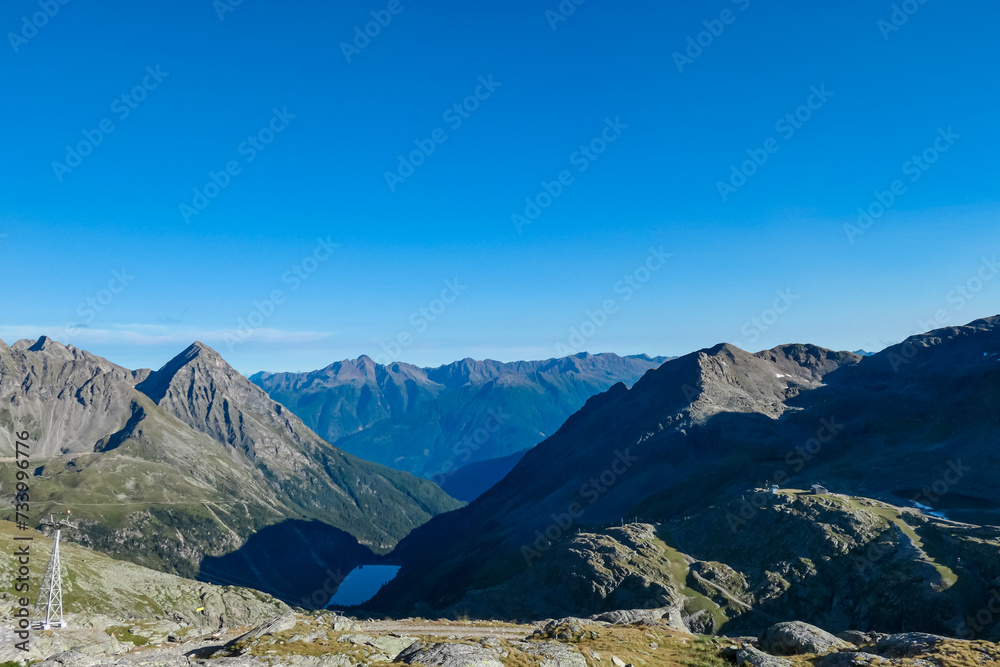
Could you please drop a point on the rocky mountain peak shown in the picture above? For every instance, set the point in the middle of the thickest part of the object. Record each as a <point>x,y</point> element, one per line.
<point>199,350</point>
<point>22,344</point>
<point>196,365</point>
<point>47,345</point>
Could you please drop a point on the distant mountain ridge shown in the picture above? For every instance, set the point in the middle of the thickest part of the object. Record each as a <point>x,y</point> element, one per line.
<point>433,421</point>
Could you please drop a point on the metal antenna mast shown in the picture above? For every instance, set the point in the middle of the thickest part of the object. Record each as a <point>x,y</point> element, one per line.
<point>49,607</point>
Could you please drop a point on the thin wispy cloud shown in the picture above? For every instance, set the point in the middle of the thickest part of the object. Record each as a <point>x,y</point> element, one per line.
<point>153,335</point>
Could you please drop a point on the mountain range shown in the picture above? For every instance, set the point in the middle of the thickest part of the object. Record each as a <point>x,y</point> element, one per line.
<point>175,467</point>
<point>660,496</point>
<point>727,490</point>
<point>432,422</point>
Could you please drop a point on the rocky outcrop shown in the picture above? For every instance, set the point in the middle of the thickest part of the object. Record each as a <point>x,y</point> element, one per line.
<point>907,644</point>
<point>450,655</point>
<point>553,654</point>
<point>588,573</point>
<point>755,658</point>
<point>671,616</point>
<point>796,638</point>
<point>271,627</point>
<point>850,659</point>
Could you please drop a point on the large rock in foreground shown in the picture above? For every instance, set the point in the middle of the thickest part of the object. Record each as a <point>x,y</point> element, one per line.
<point>450,655</point>
<point>797,638</point>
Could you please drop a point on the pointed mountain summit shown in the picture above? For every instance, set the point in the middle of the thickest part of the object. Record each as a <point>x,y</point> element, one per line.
<point>200,389</point>
<point>206,393</point>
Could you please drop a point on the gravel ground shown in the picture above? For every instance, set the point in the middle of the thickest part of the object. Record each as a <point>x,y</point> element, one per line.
<point>466,630</point>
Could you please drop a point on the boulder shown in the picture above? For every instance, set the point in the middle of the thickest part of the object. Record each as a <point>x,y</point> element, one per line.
<point>568,629</point>
<point>554,654</point>
<point>240,661</point>
<point>309,636</point>
<point>859,638</point>
<point>271,627</point>
<point>329,660</point>
<point>906,645</point>
<point>450,655</point>
<point>850,659</point>
<point>343,624</point>
<point>669,615</point>
<point>797,638</point>
<point>751,656</point>
<point>392,646</point>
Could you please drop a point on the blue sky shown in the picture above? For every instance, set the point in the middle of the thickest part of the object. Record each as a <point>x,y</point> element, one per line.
<point>641,137</point>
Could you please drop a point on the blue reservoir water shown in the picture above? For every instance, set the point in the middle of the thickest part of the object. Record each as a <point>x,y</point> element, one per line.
<point>362,583</point>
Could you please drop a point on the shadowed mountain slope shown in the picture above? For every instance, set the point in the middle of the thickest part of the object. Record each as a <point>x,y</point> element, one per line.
<point>696,435</point>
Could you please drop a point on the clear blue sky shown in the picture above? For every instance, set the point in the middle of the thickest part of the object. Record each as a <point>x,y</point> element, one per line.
<point>523,289</point>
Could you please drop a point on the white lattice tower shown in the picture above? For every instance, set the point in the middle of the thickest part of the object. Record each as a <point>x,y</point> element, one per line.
<point>49,606</point>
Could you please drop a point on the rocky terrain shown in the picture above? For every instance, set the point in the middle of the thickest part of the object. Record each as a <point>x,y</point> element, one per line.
<point>434,421</point>
<point>174,468</point>
<point>628,638</point>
